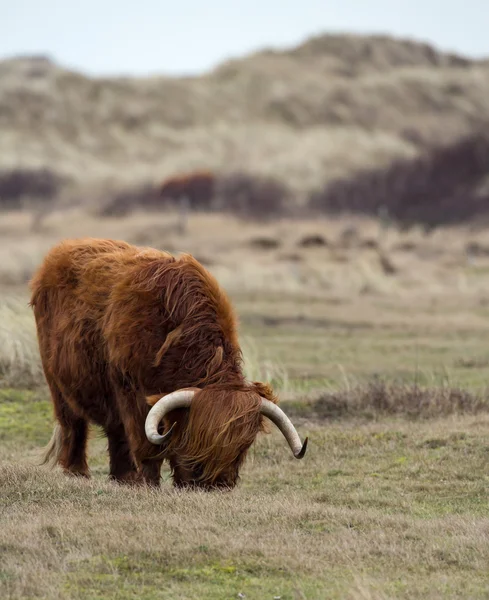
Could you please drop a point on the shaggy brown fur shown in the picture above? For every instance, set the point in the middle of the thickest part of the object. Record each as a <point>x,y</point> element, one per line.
<point>118,327</point>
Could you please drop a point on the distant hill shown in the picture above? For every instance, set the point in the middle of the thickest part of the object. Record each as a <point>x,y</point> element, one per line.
<point>325,109</point>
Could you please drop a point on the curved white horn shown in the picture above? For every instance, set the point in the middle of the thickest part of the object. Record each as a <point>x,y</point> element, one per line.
<point>282,421</point>
<point>178,399</point>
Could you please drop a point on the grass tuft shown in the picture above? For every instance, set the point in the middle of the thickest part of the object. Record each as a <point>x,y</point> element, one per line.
<point>379,399</point>
<point>20,363</point>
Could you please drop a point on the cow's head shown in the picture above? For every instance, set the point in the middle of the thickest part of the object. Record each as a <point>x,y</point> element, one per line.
<point>209,431</point>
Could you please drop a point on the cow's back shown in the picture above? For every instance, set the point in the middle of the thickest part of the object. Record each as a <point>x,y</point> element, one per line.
<point>64,268</point>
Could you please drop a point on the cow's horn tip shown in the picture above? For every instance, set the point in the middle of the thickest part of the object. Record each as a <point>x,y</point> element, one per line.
<point>302,451</point>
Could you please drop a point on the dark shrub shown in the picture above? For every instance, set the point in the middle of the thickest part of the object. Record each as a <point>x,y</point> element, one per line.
<point>440,187</point>
<point>41,185</point>
<point>251,196</point>
<point>193,190</point>
<point>119,203</point>
<point>379,398</point>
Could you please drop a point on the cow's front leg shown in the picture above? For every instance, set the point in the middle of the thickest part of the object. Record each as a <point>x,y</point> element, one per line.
<point>151,471</point>
<point>123,468</point>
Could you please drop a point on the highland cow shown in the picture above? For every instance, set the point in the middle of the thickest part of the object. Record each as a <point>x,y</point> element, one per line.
<point>122,329</point>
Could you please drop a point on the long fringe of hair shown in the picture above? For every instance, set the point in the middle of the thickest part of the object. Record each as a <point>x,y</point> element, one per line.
<point>222,424</point>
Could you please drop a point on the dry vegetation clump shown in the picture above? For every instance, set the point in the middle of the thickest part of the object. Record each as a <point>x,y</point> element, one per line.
<point>445,186</point>
<point>260,367</point>
<point>194,190</point>
<point>252,197</point>
<point>313,240</point>
<point>385,261</point>
<point>379,399</point>
<point>123,201</point>
<point>20,363</point>
<point>245,195</point>
<point>265,243</point>
<point>21,249</point>
<point>476,249</point>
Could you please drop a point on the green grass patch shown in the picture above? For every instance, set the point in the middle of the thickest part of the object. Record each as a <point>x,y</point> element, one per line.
<point>151,576</point>
<point>25,416</point>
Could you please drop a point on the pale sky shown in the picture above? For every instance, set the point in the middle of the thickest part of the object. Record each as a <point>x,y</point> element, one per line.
<point>106,37</point>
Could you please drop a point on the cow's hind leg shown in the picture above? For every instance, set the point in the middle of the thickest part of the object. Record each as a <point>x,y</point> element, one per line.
<point>122,466</point>
<point>69,442</point>
<point>74,458</point>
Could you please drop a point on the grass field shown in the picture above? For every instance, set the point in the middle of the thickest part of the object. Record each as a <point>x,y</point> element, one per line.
<point>384,367</point>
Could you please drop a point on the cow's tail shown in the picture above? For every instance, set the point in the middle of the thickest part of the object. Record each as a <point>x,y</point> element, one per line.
<point>53,449</point>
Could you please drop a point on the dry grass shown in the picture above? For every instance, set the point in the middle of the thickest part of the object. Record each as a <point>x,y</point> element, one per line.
<point>391,510</point>
<point>447,258</point>
<point>379,399</point>
<point>20,364</point>
<point>262,114</point>
<point>311,309</point>
<point>386,373</point>
<point>375,338</point>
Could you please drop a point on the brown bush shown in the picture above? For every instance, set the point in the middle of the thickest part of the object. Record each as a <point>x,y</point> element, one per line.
<point>440,187</point>
<point>197,188</point>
